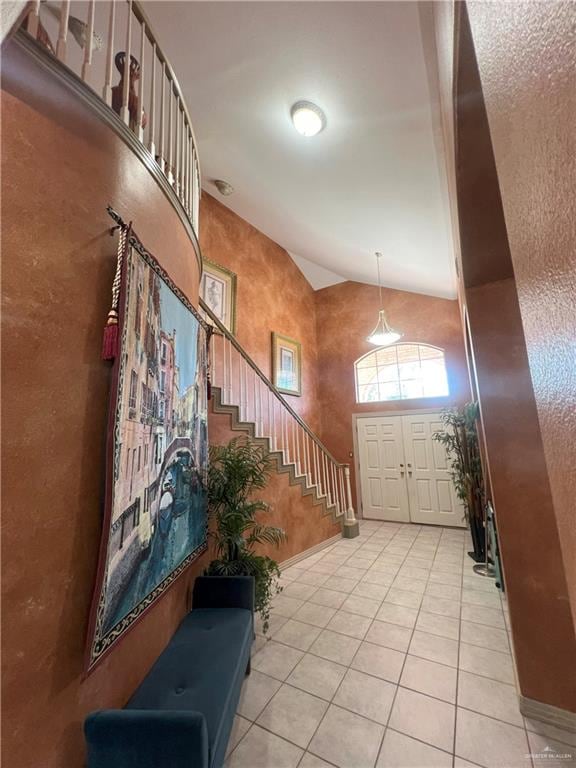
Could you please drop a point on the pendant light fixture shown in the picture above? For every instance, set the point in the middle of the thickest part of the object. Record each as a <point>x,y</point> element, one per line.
<point>382,335</point>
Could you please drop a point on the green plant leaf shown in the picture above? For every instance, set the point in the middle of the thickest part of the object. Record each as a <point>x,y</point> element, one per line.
<point>460,438</point>
<point>235,472</point>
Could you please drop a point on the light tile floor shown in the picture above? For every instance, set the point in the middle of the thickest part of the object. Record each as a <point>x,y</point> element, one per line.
<point>387,651</point>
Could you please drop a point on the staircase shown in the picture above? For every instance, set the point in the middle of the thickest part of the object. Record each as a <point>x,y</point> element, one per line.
<point>256,408</point>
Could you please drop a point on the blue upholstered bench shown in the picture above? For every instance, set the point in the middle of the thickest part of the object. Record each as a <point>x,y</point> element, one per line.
<point>182,713</point>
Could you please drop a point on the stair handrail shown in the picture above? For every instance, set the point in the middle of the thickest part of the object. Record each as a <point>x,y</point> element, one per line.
<point>240,349</point>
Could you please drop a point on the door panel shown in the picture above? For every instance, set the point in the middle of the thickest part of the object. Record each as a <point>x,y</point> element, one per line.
<point>382,478</point>
<point>430,489</point>
<point>375,494</point>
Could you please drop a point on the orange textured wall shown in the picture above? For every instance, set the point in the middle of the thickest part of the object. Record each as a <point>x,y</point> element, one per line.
<point>527,57</point>
<point>533,568</point>
<point>346,313</point>
<point>61,167</point>
<point>526,511</point>
<point>304,522</point>
<point>273,295</point>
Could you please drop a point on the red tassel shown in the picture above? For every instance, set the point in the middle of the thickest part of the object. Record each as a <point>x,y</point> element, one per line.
<point>110,340</point>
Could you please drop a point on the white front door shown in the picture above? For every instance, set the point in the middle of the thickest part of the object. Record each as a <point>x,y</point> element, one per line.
<point>404,474</point>
<point>432,496</point>
<point>382,471</point>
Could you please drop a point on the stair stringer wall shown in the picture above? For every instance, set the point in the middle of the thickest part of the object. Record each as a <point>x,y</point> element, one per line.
<point>305,519</point>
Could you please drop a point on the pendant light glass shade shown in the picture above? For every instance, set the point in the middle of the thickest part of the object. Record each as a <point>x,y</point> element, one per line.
<point>382,335</point>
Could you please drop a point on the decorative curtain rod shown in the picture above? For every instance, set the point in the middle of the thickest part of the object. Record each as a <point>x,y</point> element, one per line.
<point>120,223</point>
<point>136,243</point>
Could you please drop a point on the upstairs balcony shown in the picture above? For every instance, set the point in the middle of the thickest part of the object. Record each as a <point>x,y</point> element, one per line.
<point>108,53</point>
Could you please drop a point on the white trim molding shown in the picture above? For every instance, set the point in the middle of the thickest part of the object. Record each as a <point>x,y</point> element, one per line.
<point>546,713</point>
<point>307,552</point>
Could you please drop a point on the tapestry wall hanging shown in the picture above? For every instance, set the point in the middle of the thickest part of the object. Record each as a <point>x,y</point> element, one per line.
<point>155,520</point>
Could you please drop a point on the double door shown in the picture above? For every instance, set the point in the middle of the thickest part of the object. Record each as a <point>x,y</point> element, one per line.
<point>404,474</point>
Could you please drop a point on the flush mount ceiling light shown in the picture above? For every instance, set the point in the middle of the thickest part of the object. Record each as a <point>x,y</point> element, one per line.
<point>223,187</point>
<point>308,119</point>
<point>382,335</point>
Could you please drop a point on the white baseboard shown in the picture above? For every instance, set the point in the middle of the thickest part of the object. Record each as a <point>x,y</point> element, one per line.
<point>546,713</point>
<point>307,552</point>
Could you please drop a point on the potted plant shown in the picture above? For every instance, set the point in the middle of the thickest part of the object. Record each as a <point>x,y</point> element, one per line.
<point>460,438</point>
<point>235,472</point>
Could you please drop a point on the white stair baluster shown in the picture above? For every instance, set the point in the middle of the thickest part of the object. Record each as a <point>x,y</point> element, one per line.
<point>107,90</point>
<point>162,140</point>
<point>241,390</point>
<point>247,395</point>
<point>260,409</point>
<point>225,370</point>
<point>170,170</point>
<point>33,19</point>
<point>327,479</point>
<point>230,400</point>
<point>87,63</point>
<point>124,109</point>
<point>152,119</point>
<point>298,431</point>
<point>141,80</point>
<point>307,459</point>
<point>255,401</point>
<point>63,30</point>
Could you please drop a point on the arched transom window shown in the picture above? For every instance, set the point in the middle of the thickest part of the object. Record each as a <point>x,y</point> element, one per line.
<point>401,372</point>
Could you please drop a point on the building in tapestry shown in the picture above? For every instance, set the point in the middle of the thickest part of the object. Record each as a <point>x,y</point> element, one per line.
<point>142,438</point>
<point>168,392</point>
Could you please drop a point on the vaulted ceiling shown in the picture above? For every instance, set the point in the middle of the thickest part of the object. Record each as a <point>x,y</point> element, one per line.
<point>372,180</point>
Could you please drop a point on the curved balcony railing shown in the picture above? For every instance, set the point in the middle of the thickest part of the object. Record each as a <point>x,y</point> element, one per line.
<point>96,40</point>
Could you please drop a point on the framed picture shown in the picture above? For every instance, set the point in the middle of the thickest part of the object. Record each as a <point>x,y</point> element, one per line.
<point>155,518</point>
<point>218,291</point>
<point>286,365</point>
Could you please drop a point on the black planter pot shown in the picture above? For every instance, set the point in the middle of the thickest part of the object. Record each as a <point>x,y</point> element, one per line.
<point>478,540</point>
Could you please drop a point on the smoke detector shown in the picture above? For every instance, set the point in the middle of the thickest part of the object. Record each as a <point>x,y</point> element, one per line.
<point>223,187</point>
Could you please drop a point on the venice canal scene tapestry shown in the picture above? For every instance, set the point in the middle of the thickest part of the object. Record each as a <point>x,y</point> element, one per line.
<point>155,522</point>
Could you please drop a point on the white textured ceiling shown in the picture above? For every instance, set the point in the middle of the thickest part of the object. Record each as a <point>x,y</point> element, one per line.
<point>317,276</point>
<point>371,181</point>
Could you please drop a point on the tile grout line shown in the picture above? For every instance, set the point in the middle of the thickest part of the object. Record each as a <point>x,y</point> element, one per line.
<point>372,557</point>
<point>349,667</point>
<point>464,555</point>
<point>341,681</point>
<point>405,656</point>
<point>254,722</point>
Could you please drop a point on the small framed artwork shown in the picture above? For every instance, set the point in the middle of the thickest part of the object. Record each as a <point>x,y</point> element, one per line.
<point>218,291</point>
<point>286,365</point>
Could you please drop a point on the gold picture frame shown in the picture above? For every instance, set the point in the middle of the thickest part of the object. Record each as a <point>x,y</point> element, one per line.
<point>286,365</point>
<point>218,291</point>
